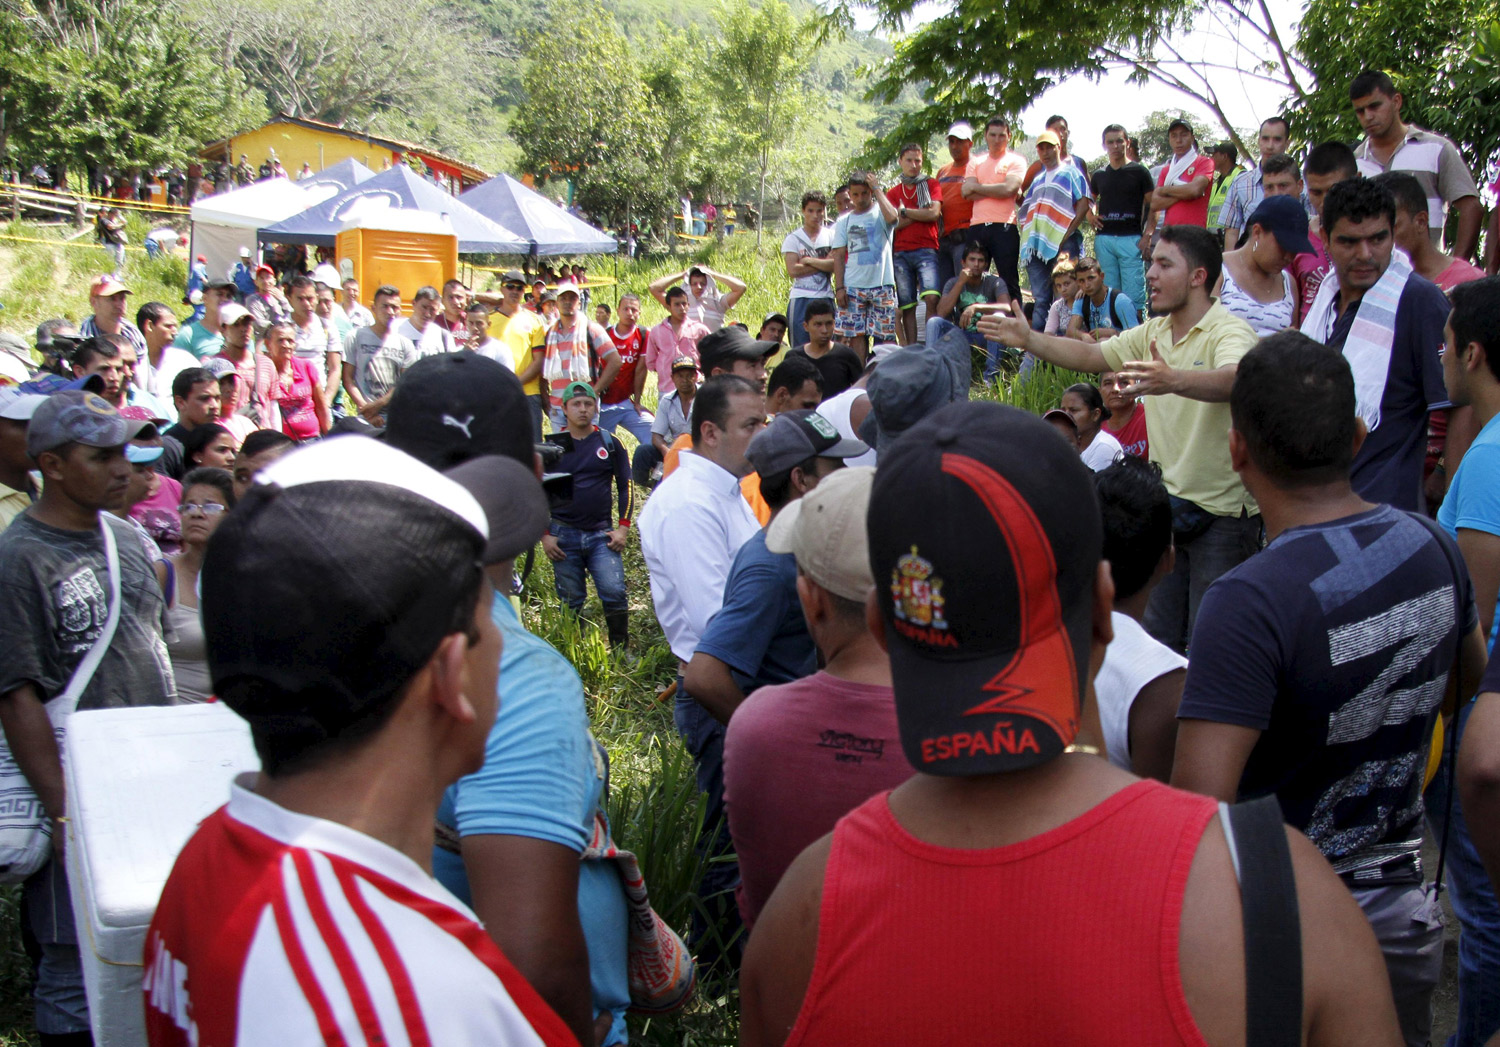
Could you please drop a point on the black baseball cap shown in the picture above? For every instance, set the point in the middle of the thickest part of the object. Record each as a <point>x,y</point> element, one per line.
<point>1179,122</point>
<point>513,276</point>
<point>728,344</point>
<point>455,408</point>
<point>332,582</point>
<point>451,407</point>
<point>985,540</point>
<point>1285,218</point>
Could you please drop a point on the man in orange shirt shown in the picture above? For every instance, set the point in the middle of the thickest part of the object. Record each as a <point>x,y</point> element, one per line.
<point>957,208</point>
<point>992,185</point>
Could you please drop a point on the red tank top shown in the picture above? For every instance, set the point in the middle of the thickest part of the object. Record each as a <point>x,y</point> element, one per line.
<point>1067,938</point>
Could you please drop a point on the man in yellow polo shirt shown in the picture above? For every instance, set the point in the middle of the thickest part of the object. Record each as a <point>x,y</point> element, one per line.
<point>1183,363</point>
<point>525,334</point>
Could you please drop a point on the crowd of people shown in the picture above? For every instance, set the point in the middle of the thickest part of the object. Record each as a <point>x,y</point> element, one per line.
<point>1183,650</point>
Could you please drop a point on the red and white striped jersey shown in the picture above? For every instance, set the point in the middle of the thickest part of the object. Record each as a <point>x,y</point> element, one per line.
<point>282,930</point>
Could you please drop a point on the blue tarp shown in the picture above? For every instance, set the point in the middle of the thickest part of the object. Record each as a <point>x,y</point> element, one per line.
<point>399,187</point>
<point>344,174</point>
<point>534,218</point>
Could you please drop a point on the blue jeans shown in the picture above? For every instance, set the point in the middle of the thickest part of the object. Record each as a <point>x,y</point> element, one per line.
<point>796,315</point>
<point>586,553</point>
<point>1120,259</point>
<point>1039,273</point>
<point>1228,542</point>
<point>704,737</point>
<point>1473,899</point>
<point>1072,247</point>
<point>916,275</point>
<point>624,413</point>
<point>61,1003</point>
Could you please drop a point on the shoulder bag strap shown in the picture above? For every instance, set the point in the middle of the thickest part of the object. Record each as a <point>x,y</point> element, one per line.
<point>1273,926</point>
<point>84,673</point>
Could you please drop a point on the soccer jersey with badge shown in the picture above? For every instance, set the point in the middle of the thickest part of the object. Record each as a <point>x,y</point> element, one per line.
<point>277,928</point>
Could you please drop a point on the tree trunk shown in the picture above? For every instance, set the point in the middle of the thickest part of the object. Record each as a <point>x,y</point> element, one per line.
<point>760,203</point>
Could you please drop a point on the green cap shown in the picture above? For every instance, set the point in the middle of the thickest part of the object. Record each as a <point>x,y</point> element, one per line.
<point>579,389</point>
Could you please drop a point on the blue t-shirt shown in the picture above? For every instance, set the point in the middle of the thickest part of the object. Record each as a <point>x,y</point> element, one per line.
<point>1096,316</point>
<point>1336,642</point>
<point>542,778</point>
<point>868,238</point>
<point>760,632</point>
<point>1473,499</point>
<point>1388,467</point>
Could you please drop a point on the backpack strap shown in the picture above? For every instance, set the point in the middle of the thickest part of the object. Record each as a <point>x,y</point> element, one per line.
<point>1272,923</point>
<point>1114,316</point>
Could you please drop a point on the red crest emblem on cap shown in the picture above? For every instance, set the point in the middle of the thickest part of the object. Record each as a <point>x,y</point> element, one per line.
<point>917,596</point>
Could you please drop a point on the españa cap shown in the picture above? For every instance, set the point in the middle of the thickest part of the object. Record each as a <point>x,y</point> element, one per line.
<point>985,541</point>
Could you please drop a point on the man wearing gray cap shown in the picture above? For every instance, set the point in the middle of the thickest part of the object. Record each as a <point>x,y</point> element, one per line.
<point>800,755</point>
<point>73,576</point>
<point>17,489</point>
<point>914,381</point>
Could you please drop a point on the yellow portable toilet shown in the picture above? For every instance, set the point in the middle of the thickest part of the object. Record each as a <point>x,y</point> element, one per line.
<point>399,246</point>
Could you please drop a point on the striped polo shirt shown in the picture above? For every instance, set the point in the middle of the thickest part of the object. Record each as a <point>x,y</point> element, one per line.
<point>1436,163</point>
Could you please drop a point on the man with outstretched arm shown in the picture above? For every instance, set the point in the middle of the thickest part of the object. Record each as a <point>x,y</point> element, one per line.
<point>1183,362</point>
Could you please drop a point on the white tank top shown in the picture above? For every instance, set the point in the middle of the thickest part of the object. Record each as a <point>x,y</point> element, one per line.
<point>1132,661</point>
<point>1263,317</point>
<point>836,409</point>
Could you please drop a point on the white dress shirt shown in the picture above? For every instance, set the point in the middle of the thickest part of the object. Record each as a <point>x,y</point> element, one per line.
<point>690,530</point>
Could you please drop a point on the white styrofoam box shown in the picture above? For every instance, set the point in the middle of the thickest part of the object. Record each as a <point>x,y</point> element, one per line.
<point>139,783</point>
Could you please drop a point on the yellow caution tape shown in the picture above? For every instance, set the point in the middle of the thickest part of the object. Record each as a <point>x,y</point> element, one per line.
<point>62,243</point>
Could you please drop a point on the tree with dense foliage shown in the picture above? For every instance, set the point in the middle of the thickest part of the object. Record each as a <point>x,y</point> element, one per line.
<point>757,72</point>
<point>588,117</point>
<point>118,83</point>
<point>983,56</point>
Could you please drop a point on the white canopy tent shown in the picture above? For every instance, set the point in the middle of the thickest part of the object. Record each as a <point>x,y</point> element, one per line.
<point>225,223</point>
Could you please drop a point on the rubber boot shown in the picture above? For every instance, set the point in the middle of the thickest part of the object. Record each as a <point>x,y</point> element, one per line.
<point>619,627</point>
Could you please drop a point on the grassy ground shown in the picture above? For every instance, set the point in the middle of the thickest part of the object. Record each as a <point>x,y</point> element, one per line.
<point>654,804</point>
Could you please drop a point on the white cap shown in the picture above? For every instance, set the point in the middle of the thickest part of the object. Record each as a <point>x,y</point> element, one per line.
<point>231,313</point>
<point>16,406</point>
<point>961,129</point>
<point>244,252</point>
<point>567,286</point>
<point>326,275</point>
<point>825,530</point>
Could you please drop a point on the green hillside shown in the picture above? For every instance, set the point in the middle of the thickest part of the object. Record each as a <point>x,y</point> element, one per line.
<point>832,130</point>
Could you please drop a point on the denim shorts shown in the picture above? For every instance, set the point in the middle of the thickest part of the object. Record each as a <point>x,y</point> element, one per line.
<point>916,275</point>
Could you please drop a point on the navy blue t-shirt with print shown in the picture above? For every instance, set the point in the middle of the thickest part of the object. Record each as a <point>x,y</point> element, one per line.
<point>1388,467</point>
<point>760,632</point>
<point>1336,642</point>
